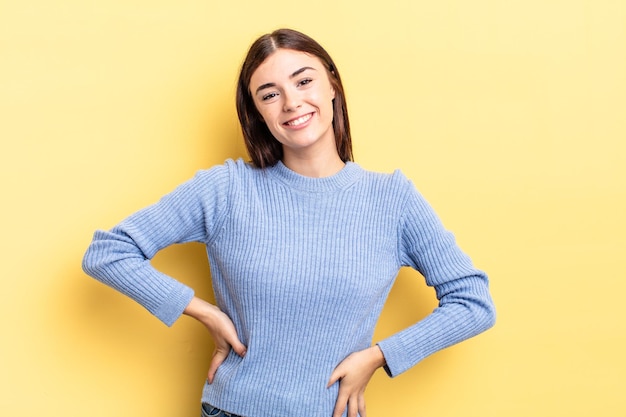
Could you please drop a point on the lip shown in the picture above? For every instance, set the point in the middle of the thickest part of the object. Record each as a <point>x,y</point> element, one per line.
<point>303,119</point>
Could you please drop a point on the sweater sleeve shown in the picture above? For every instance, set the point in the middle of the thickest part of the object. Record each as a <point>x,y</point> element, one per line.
<point>465,305</point>
<point>121,256</point>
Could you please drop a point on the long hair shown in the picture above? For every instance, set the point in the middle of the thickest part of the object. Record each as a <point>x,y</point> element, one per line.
<point>263,148</point>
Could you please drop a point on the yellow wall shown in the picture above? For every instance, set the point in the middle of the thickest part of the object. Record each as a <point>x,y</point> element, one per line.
<point>508,115</point>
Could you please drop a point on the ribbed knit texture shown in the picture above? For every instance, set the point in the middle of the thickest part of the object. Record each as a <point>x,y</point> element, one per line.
<point>303,267</point>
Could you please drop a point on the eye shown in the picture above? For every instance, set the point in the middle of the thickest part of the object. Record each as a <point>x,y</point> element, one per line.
<point>305,82</point>
<point>269,96</point>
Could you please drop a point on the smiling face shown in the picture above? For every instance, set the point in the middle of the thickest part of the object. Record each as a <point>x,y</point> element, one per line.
<point>292,93</point>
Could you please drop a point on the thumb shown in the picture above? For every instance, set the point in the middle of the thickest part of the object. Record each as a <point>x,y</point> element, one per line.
<point>334,377</point>
<point>218,357</point>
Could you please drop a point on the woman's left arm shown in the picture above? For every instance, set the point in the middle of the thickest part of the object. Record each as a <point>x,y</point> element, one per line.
<point>465,304</point>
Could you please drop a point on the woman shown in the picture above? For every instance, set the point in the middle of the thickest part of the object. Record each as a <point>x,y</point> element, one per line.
<point>304,246</point>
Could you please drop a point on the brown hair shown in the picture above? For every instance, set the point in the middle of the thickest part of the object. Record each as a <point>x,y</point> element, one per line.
<point>263,148</point>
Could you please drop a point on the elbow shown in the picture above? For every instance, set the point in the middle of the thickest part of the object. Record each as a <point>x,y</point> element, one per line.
<point>483,307</point>
<point>480,316</point>
<point>484,314</point>
<point>107,254</point>
<point>98,256</point>
<point>88,264</point>
<point>489,317</point>
<point>473,299</point>
<point>91,263</point>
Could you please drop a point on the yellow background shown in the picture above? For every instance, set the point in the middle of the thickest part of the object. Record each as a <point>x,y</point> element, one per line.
<point>508,115</point>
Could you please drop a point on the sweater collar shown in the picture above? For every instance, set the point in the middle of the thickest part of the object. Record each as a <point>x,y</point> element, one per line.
<point>350,173</point>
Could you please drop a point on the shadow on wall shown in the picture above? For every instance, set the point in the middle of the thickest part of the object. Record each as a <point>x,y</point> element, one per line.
<point>104,342</point>
<point>409,301</point>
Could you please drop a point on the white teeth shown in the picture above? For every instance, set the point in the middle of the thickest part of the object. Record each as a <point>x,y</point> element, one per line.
<point>300,120</point>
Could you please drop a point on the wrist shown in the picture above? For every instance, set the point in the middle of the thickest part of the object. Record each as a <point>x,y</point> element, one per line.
<point>200,310</point>
<point>377,356</point>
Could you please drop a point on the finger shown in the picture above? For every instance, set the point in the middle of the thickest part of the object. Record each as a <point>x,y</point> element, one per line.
<point>362,411</point>
<point>353,407</point>
<point>339,409</point>
<point>217,360</point>
<point>239,348</point>
<point>340,406</point>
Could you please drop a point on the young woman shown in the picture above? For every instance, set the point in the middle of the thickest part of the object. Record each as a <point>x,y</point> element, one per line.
<point>304,246</point>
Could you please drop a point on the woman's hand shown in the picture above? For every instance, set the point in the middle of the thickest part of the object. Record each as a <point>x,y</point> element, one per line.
<point>353,374</point>
<point>222,331</point>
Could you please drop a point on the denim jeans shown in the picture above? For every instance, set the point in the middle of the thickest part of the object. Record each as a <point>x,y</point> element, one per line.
<point>209,411</point>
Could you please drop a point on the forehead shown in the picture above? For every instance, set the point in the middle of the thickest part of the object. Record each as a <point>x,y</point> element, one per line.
<point>282,64</point>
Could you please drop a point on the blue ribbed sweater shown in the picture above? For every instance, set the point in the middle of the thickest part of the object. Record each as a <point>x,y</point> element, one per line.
<point>303,267</point>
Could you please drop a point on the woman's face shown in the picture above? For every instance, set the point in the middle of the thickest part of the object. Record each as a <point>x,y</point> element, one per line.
<point>293,94</point>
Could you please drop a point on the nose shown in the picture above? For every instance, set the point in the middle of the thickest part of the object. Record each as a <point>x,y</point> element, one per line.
<point>292,101</point>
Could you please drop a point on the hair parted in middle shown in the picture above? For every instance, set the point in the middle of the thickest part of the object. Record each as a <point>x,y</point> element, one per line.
<point>263,148</point>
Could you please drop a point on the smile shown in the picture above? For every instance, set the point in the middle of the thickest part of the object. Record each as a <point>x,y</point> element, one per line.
<point>300,120</point>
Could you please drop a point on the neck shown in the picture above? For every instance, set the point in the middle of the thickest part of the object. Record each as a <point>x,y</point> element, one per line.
<point>317,166</point>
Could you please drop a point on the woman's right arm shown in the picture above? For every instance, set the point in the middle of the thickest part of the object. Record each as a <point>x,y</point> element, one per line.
<point>120,257</point>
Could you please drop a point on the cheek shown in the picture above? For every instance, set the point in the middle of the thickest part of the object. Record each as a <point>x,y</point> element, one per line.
<point>329,100</point>
<point>269,117</point>
<point>271,120</point>
<point>265,114</point>
<point>269,113</point>
<point>329,95</point>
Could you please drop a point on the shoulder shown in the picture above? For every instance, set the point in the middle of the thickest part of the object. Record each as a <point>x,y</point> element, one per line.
<point>399,191</point>
<point>394,182</point>
<point>227,172</point>
<point>229,167</point>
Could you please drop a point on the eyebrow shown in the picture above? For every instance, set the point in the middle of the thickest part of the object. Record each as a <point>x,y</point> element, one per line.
<point>295,74</point>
